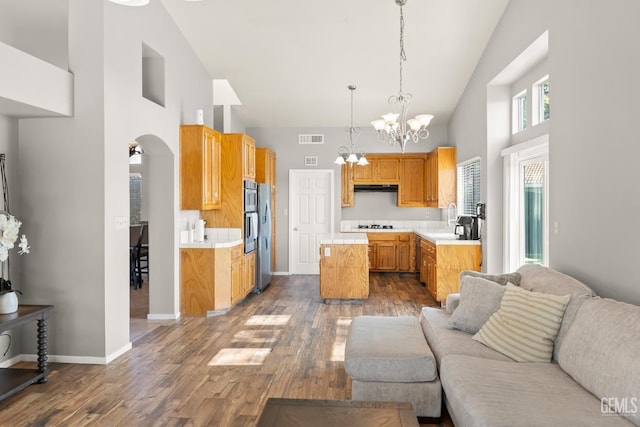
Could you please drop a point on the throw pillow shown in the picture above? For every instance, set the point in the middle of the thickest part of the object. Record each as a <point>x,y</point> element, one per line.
<point>525,326</point>
<point>479,299</point>
<point>503,279</point>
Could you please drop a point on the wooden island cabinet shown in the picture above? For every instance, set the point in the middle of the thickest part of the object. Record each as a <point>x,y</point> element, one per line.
<point>344,269</point>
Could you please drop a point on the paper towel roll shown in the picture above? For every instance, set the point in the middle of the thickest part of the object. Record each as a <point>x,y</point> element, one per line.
<point>199,235</point>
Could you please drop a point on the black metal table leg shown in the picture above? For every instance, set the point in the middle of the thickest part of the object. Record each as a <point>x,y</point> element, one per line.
<point>42,349</point>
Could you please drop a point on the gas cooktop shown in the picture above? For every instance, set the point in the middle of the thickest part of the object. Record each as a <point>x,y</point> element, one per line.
<point>376,226</point>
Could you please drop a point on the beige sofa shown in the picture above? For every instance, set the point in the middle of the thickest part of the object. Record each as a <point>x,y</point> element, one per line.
<point>593,378</point>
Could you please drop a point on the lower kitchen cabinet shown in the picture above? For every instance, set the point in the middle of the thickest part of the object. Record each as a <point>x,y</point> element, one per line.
<point>249,276</point>
<point>440,266</point>
<point>344,271</point>
<point>210,279</point>
<point>392,252</point>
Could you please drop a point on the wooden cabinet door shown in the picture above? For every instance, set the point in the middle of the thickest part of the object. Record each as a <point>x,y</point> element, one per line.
<point>346,175</point>
<point>386,256</point>
<point>364,174</point>
<point>249,158</point>
<point>431,193</point>
<point>249,279</point>
<point>411,191</point>
<point>199,168</point>
<point>237,277</point>
<point>387,170</point>
<point>404,256</point>
<point>423,261</point>
<point>212,147</point>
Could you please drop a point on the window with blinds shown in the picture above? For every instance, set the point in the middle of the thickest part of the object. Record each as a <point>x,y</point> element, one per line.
<point>468,186</point>
<point>135,198</point>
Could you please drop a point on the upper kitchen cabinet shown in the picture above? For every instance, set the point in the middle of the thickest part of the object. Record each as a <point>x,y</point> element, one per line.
<point>266,173</point>
<point>346,174</point>
<point>249,148</point>
<point>411,191</point>
<point>382,169</point>
<point>199,168</point>
<point>441,177</point>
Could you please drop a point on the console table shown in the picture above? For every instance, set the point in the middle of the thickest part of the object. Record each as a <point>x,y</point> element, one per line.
<point>337,413</point>
<point>13,380</point>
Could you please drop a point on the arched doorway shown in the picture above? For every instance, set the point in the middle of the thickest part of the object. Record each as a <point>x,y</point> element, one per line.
<point>158,210</point>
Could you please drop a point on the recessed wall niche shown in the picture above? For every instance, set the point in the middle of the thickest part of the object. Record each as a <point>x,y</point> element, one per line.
<point>152,75</point>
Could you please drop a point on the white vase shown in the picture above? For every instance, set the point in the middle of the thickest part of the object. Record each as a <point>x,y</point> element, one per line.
<point>8,303</point>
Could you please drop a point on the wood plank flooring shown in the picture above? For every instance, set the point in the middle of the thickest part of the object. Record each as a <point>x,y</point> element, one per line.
<point>217,371</point>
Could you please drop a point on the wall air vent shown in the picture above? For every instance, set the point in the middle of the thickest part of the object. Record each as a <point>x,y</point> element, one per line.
<point>306,139</point>
<point>311,160</point>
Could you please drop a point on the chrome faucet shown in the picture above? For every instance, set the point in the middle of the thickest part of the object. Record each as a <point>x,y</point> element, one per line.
<point>449,219</point>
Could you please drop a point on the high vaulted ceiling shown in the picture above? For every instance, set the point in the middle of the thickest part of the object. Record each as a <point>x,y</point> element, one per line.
<point>290,61</point>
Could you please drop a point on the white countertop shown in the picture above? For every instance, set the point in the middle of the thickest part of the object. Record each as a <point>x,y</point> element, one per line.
<point>211,244</point>
<point>435,236</point>
<point>351,238</point>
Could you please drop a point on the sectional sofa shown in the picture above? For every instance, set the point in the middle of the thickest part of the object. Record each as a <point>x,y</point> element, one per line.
<point>591,379</point>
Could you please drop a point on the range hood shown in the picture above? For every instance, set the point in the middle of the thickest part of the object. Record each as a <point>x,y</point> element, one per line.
<point>382,188</point>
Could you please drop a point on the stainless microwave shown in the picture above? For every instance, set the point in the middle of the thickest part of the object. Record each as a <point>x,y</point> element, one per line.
<point>250,196</point>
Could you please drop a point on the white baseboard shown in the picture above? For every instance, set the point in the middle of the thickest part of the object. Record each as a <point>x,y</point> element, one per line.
<point>10,362</point>
<point>79,360</point>
<point>113,356</point>
<point>173,316</point>
<point>281,273</point>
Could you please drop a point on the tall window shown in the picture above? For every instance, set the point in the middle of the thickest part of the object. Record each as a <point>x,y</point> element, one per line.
<point>135,198</point>
<point>468,186</point>
<point>520,112</point>
<point>527,203</point>
<point>542,99</point>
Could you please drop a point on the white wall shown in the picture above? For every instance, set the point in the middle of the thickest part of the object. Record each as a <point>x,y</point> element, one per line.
<point>592,133</point>
<point>75,174</point>
<point>290,155</point>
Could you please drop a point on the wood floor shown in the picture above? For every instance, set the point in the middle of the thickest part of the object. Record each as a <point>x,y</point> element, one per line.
<point>217,371</point>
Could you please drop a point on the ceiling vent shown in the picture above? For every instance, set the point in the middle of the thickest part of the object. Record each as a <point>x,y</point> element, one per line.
<point>307,139</point>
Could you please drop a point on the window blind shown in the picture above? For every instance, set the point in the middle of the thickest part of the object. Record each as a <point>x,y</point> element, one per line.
<point>469,181</point>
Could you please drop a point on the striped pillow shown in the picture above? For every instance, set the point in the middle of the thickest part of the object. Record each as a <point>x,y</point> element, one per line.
<point>525,326</point>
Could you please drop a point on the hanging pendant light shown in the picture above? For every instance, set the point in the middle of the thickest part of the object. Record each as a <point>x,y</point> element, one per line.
<point>348,154</point>
<point>395,128</point>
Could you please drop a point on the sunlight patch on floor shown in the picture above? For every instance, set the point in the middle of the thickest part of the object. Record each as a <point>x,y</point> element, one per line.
<point>342,329</point>
<point>240,356</point>
<point>257,336</point>
<point>268,320</point>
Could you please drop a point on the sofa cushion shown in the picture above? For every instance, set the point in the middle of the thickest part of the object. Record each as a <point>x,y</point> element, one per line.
<point>484,392</point>
<point>535,277</point>
<point>445,340</point>
<point>601,351</point>
<point>501,279</point>
<point>391,349</point>
<point>479,299</point>
<point>525,326</point>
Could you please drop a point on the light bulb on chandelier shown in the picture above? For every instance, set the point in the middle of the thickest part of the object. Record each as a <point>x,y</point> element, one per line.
<point>389,128</point>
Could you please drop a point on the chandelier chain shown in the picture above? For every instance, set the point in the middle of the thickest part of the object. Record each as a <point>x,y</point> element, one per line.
<point>403,55</point>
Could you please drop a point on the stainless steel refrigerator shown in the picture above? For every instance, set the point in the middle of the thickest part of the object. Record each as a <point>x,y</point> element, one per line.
<point>263,256</point>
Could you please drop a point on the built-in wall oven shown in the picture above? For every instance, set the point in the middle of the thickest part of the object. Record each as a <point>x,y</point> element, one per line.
<point>250,216</point>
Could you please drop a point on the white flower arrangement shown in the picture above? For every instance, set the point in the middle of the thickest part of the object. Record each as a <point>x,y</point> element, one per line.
<point>9,232</point>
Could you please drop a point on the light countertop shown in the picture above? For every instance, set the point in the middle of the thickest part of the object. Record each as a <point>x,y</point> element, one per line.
<point>211,244</point>
<point>355,238</point>
<point>435,236</point>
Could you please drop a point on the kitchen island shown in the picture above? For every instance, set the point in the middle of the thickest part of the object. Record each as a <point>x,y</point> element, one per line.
<point>344,266</point>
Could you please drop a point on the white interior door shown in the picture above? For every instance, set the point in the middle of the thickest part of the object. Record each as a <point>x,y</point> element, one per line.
<point>310,215</point>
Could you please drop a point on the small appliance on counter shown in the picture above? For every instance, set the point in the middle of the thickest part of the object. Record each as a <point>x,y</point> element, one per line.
<point>467,227</point>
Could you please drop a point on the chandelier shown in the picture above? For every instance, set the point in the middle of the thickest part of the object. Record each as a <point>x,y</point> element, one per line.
<point>348,154</point>
<point>389,128</point>
<point>134,148</point>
